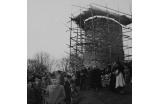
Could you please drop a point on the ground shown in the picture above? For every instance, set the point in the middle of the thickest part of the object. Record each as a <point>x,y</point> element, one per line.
<point>105,96</point>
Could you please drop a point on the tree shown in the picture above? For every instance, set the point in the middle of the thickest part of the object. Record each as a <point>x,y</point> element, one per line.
<point>33,66</point>
<point>75,61</point>
<point>63,63</point>
<point>45,59</point>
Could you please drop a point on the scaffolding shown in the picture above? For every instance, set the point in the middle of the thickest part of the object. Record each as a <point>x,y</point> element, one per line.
<point>80,40</point>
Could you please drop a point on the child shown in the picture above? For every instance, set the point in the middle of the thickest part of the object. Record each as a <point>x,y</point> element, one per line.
<point>74,92</point>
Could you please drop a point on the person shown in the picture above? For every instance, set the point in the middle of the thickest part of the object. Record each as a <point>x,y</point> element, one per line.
<point>83,76</point>
<point>55,92</point>
<point>30,94</point>
<point>67,90</point>
<point>48,81</point>
<point>92,78</point>
<point>99,74</point>
<point>37,88</point>
<point>109,68</point>
<point>127,76</point>
<point>78,78</point>
<point>89,77</point>
<point>120,83</point>
<point>74,93</point>
<point>113,77</point>
<point>61,78</point>
<point>43,88</point>
<point>96,78</point>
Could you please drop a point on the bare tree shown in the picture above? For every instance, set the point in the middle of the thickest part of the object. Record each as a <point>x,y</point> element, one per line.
<point>34,66</point>
<point>63,63</point>
<point>45,59</point>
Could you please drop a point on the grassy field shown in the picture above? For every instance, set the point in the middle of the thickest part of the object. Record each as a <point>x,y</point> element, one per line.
<point>105,96</point>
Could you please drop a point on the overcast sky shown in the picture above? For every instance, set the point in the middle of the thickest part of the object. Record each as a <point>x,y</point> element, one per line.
<point>45,18</point>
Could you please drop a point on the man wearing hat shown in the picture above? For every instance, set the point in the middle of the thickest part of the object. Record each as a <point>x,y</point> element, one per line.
<point>37,89</point>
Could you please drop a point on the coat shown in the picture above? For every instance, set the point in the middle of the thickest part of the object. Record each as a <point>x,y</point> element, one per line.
<point>30,96</point>
<point>55,94</point>
<point>67,91</point>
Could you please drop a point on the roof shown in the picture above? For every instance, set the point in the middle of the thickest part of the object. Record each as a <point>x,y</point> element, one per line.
<point>123,19</point>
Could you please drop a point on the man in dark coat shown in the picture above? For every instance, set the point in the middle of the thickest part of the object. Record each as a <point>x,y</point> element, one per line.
<point>43,86</point>
<point>78,78</point>
<point>96,78</point>
<point>61,78</point>
<point>89,77</point>
<point>83,77</point>
<point>92,77</point>
<point>30,94</point>
<point>99,73</point>
<point>37,88</point>
<point>67,89</point>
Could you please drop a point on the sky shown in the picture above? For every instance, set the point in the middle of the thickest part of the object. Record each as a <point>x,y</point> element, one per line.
<point>46,31</point>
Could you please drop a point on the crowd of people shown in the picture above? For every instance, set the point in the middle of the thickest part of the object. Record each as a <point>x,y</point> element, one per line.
<point>115,76</point>
<point>51,88</point>
<point>61,86</point>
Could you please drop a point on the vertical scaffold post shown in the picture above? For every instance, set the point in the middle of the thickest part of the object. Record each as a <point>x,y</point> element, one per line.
<point>77,50</point>
<point>81,43</point>
<point>108,32</point>
<point>93,35</point>
<point>119,56</point>
<point>131,31</point>
<point>70,40</point>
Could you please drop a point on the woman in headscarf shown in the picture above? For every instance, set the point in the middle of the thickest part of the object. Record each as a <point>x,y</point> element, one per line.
<point>120,83</point>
